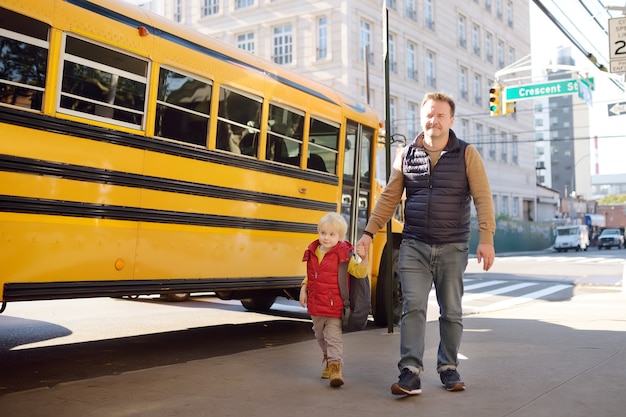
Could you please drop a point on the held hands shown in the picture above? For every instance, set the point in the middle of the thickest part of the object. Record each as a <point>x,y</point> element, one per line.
<point>363,246</point>
<point>486,254</point>
<point>361,251</point>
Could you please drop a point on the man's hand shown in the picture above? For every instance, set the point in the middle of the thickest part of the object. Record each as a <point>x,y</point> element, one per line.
<point>486,254</point>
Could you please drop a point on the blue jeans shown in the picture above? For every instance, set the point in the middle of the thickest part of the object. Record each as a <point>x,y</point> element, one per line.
<point>420,265</point>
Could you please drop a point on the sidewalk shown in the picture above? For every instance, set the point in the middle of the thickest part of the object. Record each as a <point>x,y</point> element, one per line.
<point>561,359</point>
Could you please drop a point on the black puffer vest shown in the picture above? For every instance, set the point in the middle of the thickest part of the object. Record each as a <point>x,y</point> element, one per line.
<point>438,198</point>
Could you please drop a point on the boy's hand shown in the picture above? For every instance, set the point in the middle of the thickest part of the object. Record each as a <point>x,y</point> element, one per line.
<point>303,295</point>
<point>360,250</point>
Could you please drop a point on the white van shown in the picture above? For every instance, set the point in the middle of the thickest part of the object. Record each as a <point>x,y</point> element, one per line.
<point>572,237</point>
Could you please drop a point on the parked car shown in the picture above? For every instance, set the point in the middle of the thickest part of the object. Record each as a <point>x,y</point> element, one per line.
<point>611,237</point>
<point>571,237</point>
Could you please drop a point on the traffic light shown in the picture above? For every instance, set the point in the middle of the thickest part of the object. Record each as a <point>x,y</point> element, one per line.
<point>495,97</point>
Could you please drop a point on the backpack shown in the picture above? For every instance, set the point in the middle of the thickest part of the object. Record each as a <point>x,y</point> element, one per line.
<point>357,301</point>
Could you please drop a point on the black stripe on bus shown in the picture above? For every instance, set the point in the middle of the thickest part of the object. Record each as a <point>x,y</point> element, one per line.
<point>193,46</point>
<point>28,291</point>
<point>71,128</point>
<point>25,205</point>
<point>124,179</point>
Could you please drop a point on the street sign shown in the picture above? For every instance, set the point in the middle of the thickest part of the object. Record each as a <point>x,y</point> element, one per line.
<point>554,88</point>
<point>617,44</point>
<point>617,109</point>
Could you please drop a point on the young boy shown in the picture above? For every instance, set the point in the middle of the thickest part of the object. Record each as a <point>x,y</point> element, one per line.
<point>320,289</point>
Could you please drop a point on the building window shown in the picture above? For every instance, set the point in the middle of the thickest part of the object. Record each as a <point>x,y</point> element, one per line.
<point>429,18</point>
<point>511,56</point>
<point>178,11</point>
<point>430,70</point>
<point>461,32</point>
<point>478,90</point>
<point>500,54</point>
<point>464,129</point>
<point>209,7</point>
<point>478,133</point>
<point>505,205</point>
<point>463,84</point>
<point>504,147</point>
<point>411,61</point>
<point>489,47</point>
<point>393,64</point>
<point>492,146</point>
<point>322,37</point>
<point>411,12</point>
<point>365,42</point>
<point>515,208</point>
<point>393,120</point>
<point>499,9</point>
<point>245,41</point>
<point>476,40</point>
<point>283,45</point>
<point>514,150</point>
<point>240,4</point>
<point>509,13</point>
<point>391,4</point>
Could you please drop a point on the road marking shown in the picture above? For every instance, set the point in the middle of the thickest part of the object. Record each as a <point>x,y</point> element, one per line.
<point>498,291</point>
<point>522,299</point>
<point>482,285</point>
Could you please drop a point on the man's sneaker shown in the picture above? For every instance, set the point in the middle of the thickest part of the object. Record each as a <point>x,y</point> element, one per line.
<point>451,379</point>
<point>408,384</point>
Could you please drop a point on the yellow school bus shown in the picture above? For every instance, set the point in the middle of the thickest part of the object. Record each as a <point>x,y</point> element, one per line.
<point>138,156</point>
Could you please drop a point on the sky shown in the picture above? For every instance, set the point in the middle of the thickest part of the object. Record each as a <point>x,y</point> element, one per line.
<point>610,155</point>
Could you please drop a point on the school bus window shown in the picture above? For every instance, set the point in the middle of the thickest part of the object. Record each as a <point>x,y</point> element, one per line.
<point>323,146</point>
<point>107,85</point>
<point>366,153</point>
<point>284,135</point>
<point>183,105</point>
<point>239,118</point>
<point>23,60</point>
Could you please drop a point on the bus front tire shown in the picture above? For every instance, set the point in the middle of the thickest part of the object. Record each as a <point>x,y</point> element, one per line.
<point>382,291</point>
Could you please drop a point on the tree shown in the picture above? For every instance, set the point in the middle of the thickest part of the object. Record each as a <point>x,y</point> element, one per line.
<point>613,199</point>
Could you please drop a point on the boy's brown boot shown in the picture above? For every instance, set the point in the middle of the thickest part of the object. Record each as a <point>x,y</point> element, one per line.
<point>336,379</point>
<point>326,370</point>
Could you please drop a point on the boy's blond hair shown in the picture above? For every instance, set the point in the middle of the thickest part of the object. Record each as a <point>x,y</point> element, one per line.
<point>336,221</point>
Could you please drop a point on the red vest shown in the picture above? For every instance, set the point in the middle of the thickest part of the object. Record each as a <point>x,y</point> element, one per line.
<point>324,297</point>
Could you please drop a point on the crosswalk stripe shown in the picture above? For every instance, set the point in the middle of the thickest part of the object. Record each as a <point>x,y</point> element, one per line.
<point>482,285</point>
<point>498,291</point>
<point>523,299</point>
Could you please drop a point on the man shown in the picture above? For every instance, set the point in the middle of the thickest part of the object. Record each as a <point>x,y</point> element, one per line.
<point>440,174</point>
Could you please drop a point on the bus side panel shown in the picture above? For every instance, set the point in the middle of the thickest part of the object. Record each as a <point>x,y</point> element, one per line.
<point>41,248</point>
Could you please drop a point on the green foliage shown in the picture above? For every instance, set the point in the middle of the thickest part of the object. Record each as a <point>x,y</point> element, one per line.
<point>613,199</point>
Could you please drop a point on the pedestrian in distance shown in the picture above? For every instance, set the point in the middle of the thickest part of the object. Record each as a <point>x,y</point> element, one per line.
<point>440,175</point>
<point>320,291</point>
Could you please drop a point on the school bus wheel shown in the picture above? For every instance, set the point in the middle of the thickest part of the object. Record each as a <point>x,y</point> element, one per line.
<point>258,304</point>
<point>382,291</point>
